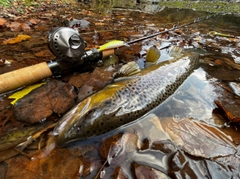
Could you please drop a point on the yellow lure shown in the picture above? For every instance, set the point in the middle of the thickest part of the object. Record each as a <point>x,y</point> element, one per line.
<point>112,44</point>
<point>214,33</point>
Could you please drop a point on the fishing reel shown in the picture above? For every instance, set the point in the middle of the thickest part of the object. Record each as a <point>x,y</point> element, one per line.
<point>66,44</point>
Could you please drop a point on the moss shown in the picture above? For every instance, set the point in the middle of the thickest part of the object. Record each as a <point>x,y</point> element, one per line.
<point>5,3</point>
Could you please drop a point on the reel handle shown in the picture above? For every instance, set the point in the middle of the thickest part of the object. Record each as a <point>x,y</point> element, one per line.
<point>24,76</point>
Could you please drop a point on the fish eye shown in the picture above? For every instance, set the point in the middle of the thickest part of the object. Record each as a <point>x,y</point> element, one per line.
<point>90,111</point>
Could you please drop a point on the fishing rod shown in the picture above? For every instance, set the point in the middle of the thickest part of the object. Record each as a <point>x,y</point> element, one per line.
<point>118,43</point>
<point>197,20</point>
<point>69,48</point>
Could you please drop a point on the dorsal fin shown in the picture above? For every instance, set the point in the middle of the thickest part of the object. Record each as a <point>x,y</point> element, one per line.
<point>129,69</point>
<point>176,51</point>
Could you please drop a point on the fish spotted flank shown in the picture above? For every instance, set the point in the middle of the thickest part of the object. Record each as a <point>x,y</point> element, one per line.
<point>125,100</point>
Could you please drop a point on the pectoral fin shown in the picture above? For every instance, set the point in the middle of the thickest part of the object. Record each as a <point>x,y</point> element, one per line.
<point>153,54</point>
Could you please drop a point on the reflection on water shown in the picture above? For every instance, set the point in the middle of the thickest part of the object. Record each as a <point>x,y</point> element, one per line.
<point>164,145</point>
<point>170,141</point>
<point>195,98</point>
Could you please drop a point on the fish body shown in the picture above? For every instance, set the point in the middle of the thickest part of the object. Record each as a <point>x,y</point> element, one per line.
<point>125,100</point>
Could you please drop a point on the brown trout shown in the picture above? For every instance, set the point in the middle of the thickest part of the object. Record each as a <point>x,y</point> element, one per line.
<point>125,100</point>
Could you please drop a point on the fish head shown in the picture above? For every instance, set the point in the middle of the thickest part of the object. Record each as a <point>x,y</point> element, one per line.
<point>85,120</point>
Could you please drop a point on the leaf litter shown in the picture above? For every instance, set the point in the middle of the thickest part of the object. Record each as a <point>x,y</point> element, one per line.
<point>161,147</point>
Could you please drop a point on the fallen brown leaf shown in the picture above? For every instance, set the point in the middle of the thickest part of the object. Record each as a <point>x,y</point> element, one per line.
<point>34,21</point>
<point>54,97</point>
<point>43,53</point>
<point>97,81</point>
<point>2,21</point>
<point>14,26</point>
<point>25,27</point>
<point>79,80</point>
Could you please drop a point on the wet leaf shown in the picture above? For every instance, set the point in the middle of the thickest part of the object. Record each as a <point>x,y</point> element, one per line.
<point>143,172</point>
<point>43,53</point>
<point>56,97</point>
<point>119,174</point>
<point>67,165</point>
<point>99,23</point>
<point>100,78</point>
<point>20,94</point>
<point>79,80</point>
<point>2,21</point>
<point>229,101</point>
<point>200,139</point>
<point>34,21</point>
<point>25,27</point>
<point>14,26</point>
<point>107,145</point>
<point>17,39</point>
<point>14,142</point>
<point>7,119</point>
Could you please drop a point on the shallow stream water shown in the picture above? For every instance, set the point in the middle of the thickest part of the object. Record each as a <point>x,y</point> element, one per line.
<point>188,135</point>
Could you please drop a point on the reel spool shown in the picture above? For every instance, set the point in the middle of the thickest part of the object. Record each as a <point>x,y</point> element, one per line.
<point>66,43</point>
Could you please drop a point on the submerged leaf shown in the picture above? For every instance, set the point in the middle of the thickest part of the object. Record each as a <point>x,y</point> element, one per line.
<point>13,138</point>
<point>20,94</point>
<point>56,97</point>
<point>199,139</point>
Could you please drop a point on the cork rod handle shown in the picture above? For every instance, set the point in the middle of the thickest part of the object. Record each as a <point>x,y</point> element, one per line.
<point>25,76</point>
<point>108,52</point>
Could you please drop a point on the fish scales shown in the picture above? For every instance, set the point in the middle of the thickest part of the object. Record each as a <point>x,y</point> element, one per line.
<point>125,100</point>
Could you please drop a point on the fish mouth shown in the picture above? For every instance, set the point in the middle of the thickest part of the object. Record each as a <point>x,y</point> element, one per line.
<point>64,130</point>
<point>64,122</point>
